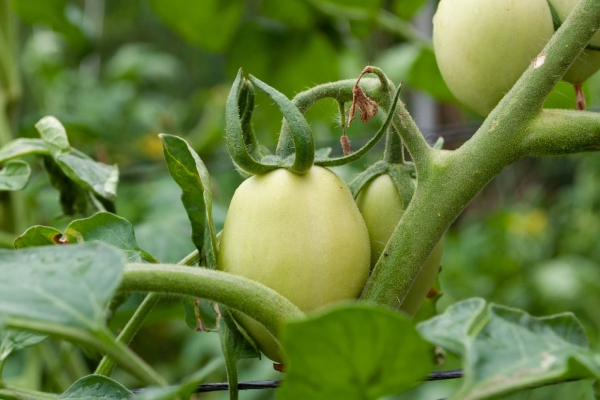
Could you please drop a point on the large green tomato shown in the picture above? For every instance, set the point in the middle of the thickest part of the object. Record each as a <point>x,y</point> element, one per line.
<point>381,206</point>
<point>588,61</point>
<point>301,235</point>
<point>482,47</point>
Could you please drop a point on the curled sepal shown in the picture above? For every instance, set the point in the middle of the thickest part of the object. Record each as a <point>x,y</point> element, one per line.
<point>332,162</point>
<point>439,143</point>
<point>246,108</point>
<point>235,135</point>
<point>303,140</point>
<point>379,168</point>
<point>403,176</point>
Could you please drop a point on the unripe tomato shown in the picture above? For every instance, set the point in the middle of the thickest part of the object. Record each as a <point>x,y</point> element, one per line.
<point>588,61</point>
<point>381,206</point>
<point>482,47</point>
<point>301,235</point>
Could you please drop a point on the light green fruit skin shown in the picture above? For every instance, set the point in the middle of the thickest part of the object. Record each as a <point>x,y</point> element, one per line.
<point>588,61</point>
<point>482,47</point>
<point>381,207</point>
<point>301,235</point>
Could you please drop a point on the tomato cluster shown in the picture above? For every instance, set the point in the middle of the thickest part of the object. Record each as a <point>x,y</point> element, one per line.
<point>483,46</point>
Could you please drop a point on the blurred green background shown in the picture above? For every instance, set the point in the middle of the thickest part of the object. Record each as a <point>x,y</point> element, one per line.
<point>119,72</point>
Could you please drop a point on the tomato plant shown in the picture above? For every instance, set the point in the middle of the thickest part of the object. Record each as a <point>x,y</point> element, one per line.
<point>294,273</point>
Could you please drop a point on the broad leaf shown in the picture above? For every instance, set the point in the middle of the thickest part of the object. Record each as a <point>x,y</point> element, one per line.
<point>67,285</point>
<point>506,350</point>
<point>96,387</point>
<point>14,175</point>
<point>98,178</point>
<point>210,25</point>
<point>111,229</point>
<point>580,390</point>
<point>22,147</point>
<point>12,340</point>
<point>352,352</point>
<point>38,236</point>
<point>190,173</point>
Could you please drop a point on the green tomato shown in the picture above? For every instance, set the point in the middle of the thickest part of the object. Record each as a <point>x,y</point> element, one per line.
<point>588,61</point>
<point>381,206</point>
<point>301,235</point>
<point>482,47</point>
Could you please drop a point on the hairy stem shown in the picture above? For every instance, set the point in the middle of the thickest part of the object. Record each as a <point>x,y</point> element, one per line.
<point>250,297</point>
<point>451,179</point>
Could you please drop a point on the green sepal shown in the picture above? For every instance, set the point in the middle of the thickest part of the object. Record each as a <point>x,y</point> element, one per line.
<point>379,168</point>
<point>333,162</point>
<point>403,176</point>
<point>234,134</point>
<point>246,109</point>
<point>304,145</point>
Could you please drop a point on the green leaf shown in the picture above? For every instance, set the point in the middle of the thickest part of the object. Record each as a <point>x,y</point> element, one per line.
<point>190,173</point>
<point>406,9</point>
<point>22,147</point>
<point>98,178</point>
<point>365,8</point>
<point>352,352</point>
<point>580,390</point>
<point>296,13</point>
<point>67,285</point>
<point>14,175</point>
<point>111,229</point>
<point>73,199</point>
<point>426,75</point>
<point>12,340</point>
<point>236,344</point>
<point>201,314</point>
<point>51,13</point>
<point>450,330</point>
<point>38,236</point>
<point>210,25</point>
<point>96,387</point>
<point>506,350</point>
<point>185,389</point>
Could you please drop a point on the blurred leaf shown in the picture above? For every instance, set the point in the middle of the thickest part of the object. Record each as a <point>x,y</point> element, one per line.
<point>190,173</point>
<point>38,236</point>
<point>96,387</point>
<point>110,229</point>
<point>185,389</point>
<point>296,13</point>
<point>12,340</point>
<point>580,390</point>
<point>201,314</point>
<point>426,75</point>
<point>96,177</point>
<point>22,147</point>
<point>358,8</point>
<point>67,285</point>
<point>53,14</point>
<point>352,352</point>
<point>398,61</point>
<point>141,62</point>
<point>406,9</point>
<point>285,60</point>
<point>14,175</point>
<point>210,25</point>
<point>508,350</point>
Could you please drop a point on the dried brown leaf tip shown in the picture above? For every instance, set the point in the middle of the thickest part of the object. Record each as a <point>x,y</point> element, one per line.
<point>279,367</point>
<point>579,97</point>
<point>368,108</point>
<point>345,144</point>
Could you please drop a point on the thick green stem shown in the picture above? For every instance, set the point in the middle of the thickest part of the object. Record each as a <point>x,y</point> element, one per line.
<point>107,364</point>
<point>450,180</point>
<point>250,297</point>
<point>101,341</point>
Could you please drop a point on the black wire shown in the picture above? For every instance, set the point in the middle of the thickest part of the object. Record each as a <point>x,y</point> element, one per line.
<point>213,387</point>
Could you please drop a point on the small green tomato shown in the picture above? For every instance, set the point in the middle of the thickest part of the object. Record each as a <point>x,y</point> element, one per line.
<point>301,235</point>
<point>588,61</point>
<point>482,47</point>
<point>381,207</point>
